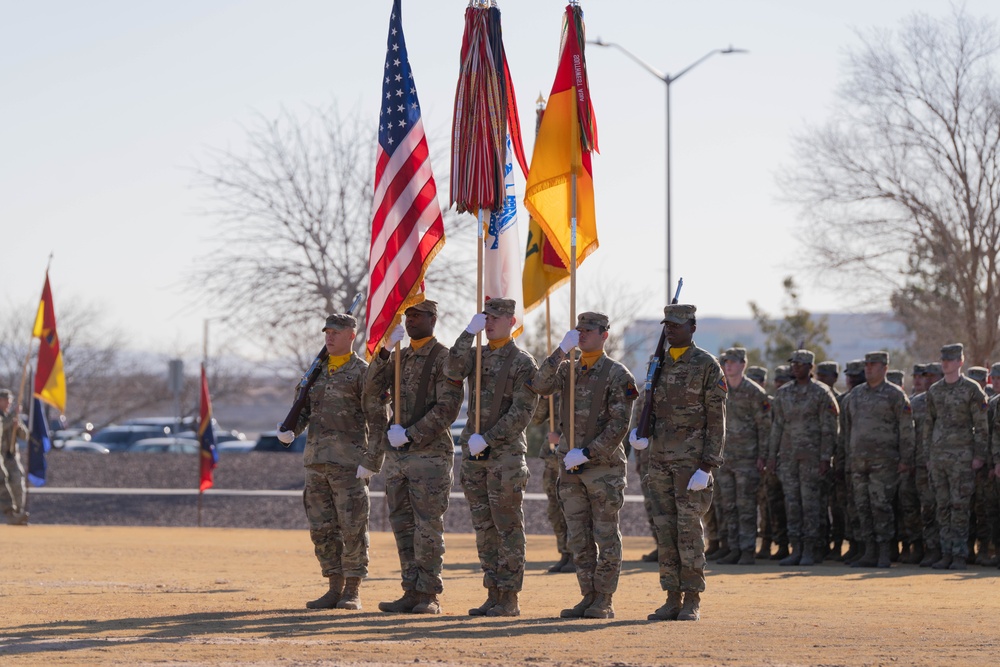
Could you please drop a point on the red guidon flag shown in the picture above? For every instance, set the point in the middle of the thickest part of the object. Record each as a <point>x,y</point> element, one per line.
<point>50,379</point>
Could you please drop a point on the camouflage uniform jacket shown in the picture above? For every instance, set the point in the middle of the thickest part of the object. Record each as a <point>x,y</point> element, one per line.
<point>614,407</point>
<point>809,414</point>
<point>432,432</point>
<point>505,434</point>
<point>339,420</point>
<point>689,410</point>
<point>993,418</point>
<point>955,425</point>
<point>918,404</point>
<point>10,427</point>
<point>840,448</point>
<point>878,423</point>
<point>748,422</point>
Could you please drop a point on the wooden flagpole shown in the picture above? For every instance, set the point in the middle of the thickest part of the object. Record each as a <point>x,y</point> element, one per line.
<point>548,351</point>
<point>572,311</point>
<point>479,308</point>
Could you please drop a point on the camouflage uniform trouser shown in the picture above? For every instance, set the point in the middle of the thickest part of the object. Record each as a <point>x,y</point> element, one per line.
<point>680,533</point>
<point>909,528</point>
<point>647,504</point>
<point>842,525</point>
<point>13,491</point>
<point>987,529</point>
<point>954,483</point>
<point>800,481</point>
<point>928,509</point>
<point>337,508</point>
<point>592,501</point>
<point>738,484</point>
<point>550,484</point>
<point>874,483</point>
<point>771,501</point>
<point>495,491</point>
<point>417,488</point>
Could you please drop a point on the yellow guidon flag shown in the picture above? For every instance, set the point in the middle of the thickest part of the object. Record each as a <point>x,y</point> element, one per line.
<point>50,379</point>
<point>566,136</point>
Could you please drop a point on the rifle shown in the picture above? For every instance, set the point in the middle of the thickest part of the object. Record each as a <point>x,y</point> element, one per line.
<point>645,427</point>
<point>309,379</point>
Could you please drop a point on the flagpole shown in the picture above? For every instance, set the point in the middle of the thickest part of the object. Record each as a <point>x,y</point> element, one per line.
<point>31,416</point>
<point>572,314</point>
<point>204,366</point>
<point>395,398</point>
<point>479,308</point>
<point>548,351</point>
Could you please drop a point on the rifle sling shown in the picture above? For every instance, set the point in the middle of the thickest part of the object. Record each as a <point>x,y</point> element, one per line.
<point>498,392</point>
<point>597,386</point>
<point>419,405</point>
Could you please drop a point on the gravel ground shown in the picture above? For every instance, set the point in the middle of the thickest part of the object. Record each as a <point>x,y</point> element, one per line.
<point>253,470</point>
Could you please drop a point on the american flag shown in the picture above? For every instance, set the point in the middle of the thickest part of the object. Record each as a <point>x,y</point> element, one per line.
<point>407,228</point>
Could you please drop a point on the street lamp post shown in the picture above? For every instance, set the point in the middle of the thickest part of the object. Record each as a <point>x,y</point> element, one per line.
<point>667,79</point>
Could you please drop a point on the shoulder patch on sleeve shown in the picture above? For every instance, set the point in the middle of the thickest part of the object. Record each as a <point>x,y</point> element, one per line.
<point>631,391</point>
<point>723,385</point>
<point>453,383</point>
<point>766,405</point>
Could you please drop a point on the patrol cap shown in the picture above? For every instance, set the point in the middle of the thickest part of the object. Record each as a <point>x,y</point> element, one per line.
<point>678,313</point>
<point>877,358</point>
<point>827,368</point>
<point>802,357</point>
<point>854,367</point>
<point>978,373</point>
<point>933,368</point>
<point>919,369</point>
<point>341,321</point>
<point>425,306</point>
<point>734,354</point>
<point>7,393</point>
<point>592,321</point>
<point>757,373</point>
<point>995,370</point>
<point>783,373</point>
<point>499,307</point>
<point>895,377</point>
<point>952,352</point>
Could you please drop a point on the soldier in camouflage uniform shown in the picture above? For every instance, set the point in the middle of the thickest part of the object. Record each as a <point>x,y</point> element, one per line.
<point>955,433</point>
<point>494,473</point>
<point>550,480</point>
<point>807,413</point>
<point>832,528</point>
<point>748,422</point>
<point>930,530</point>
<point>686,443</point>
<point>987,530</point>
<point>771,496</point>
<point>13,491</point>
<point>419,455</point>
<point>592,486</point>
<point>878,425</point>
<point>854,375</point>
<point>340,420</point>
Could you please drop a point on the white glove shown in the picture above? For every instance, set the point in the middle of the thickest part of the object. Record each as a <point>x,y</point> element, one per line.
<point>397,436</point>
<point>477,444</point>
<point>636,441</point>
<point>364,473</point>
<point>396,335</point>
<point>285,437</point>
<point>569,341</point>
<point>476,324</point>
<point>574,457</point>
<point>699,480</point>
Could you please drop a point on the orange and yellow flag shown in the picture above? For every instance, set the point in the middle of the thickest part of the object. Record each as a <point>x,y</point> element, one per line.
<point>50,379</point>
<point>567,135</point>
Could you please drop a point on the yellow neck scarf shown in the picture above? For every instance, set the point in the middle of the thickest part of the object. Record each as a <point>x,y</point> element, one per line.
<point>333,363</point>
<point>499,342</point>
<point>417,343</point>
<point>588,359</point>
<point>676,352</point>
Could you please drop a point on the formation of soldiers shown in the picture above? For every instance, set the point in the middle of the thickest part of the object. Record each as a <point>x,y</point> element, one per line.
<point>896,478</point>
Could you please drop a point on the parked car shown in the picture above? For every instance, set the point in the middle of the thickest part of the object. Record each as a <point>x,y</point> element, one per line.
<point>166,445</point>
<point>65,435</point>
<point>117,438</point>
<point>268,442</point>
<point>220,435</point>
<point>235,446</point>
<point>168,423</point>
<point>84,446</point>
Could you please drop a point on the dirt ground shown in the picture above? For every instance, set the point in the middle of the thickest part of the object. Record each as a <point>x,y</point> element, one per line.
<point>76,595</point>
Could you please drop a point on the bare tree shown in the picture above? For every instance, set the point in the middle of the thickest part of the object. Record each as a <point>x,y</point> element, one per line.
<point>295,213</point>
<point>794,331</point>
<point>901,187</point>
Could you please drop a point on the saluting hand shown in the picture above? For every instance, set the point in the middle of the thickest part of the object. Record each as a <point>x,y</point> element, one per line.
<point>476,324</point>
<point>569,341</point>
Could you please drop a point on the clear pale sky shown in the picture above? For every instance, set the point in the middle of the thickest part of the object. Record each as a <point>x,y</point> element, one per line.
<point>107,105</point>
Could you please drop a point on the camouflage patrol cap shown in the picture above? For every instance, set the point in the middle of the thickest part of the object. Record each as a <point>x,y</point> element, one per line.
<point>341,321</point>
<point>734,354</point>
<point>499,307</point>
<point>678,313</point>
<point>802,357</point>
<point>919,369</point>
<point>425,306</point>
<point>877,358</point>
<point>933,368</point>
<point>854,368</point>
<point>757,373</point>
<point>978,373</point>
<point>952,352</point>
<point>827,368</point>
<point>895,377</point>
<point>592,321</point>
<point>783,373</point>
<point>7,393</point>
<point>995,370</point>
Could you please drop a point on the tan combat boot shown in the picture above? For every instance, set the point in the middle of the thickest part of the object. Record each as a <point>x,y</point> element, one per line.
<point>765,549</point>
<point>731,558</point>
<point>564,560</point>
<point>669,610</point>
<point>492,598</point>
<point>17,518</point>
<point>746,558</point>
<point>329,599</point>
<point>794,556</point>
<point>429,604</point>
<point>581,606</point>
<point>351,598</point>
<point>931,556</point>
<point>808,555</point>
<point>403,605</point>
<point>942,563</point>
<point>601,607</point>
<point>506,605</point>
<point>957,563</point>
<point>884,555</point>
<point>652,557</point>
<point>870,557</point>
<point>691,609</point>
